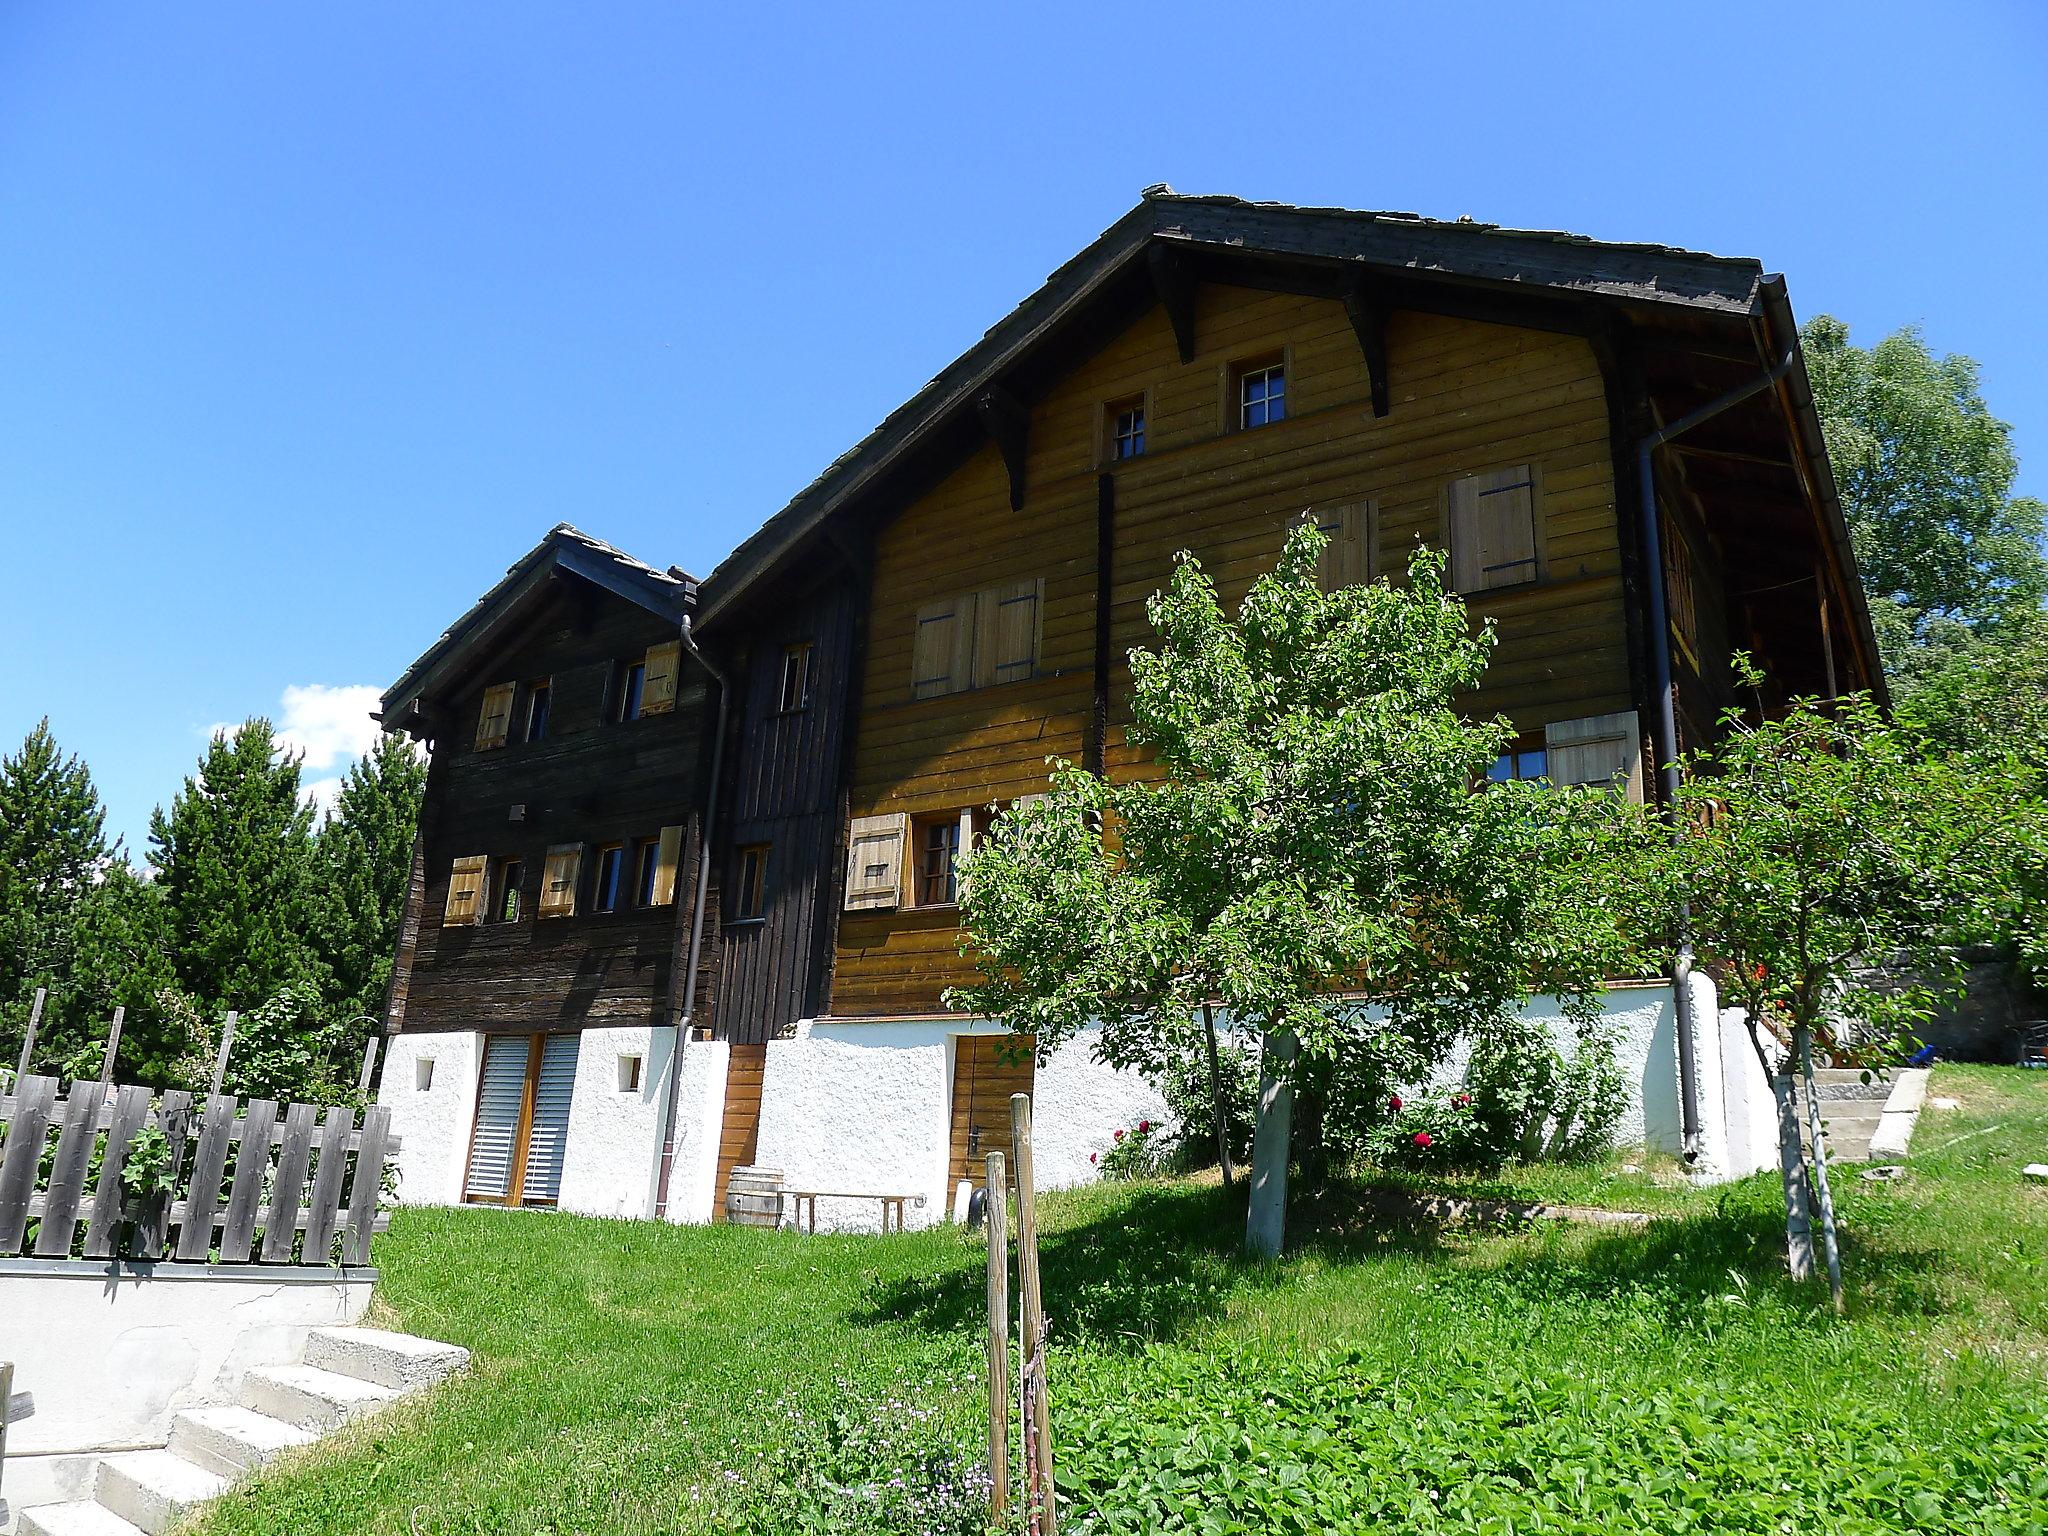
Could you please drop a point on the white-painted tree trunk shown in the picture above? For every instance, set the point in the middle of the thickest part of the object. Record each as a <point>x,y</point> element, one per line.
<point>1791,1165</point>
<point>1802,1048</point>
<point>1265,1222</point>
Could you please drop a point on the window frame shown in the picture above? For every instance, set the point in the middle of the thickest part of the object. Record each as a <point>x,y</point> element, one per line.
<point>646,871</point>
<point>615,855</point>
<point>632,690</point>
<point>1241,371</point>
<point>541,692</point>
<point>750,883</point>
<point>1108,424</point>
<point>508,874</point>
<point>798,654</point>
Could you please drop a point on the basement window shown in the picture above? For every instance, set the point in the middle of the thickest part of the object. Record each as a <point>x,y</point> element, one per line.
<point>423,1074</point>
<point>629,1074</point>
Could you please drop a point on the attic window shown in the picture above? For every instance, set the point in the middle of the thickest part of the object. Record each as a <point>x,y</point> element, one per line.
<point>538,695</point>
<point>795,692</point>
<point>1261,392</point>
<point>632,684</point>
<point>1126,422</point>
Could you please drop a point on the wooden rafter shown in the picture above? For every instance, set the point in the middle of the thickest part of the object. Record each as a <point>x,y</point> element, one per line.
<point>1173,280</point>
<point>1007,420</point>
<point>1368,316</point>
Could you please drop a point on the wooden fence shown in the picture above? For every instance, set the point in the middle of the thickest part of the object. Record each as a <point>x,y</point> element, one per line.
<point>246,1183</point>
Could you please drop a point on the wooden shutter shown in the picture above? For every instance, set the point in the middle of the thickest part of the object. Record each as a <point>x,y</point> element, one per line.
<point>658,685</point>
<point>1600,749</point>
<point>466,891</point>
<point>1493,529</point>
<point>494,723</point>
<point>547,1136</point>
<point>1347,559</point>
<point>666,859</point>
<point>1007,624</point>
<point>942,653</point>
<point>874,862</point>
<point>558,881</point>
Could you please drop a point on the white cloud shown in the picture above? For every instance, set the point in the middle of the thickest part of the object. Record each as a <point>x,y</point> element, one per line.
<point>321,795</point>
<point>331,725</point>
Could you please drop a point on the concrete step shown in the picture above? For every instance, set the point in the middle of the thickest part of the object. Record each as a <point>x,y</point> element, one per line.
<point>233,1441</point>
<point>399,1361</point>
<point>311,1398</point>
<point>85,1517</point>
<point>151,1489</point>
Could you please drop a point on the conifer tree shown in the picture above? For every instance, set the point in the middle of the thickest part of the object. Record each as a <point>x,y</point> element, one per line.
<point>365,868</point>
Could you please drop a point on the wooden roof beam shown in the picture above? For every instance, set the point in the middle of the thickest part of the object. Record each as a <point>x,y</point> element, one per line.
<point>1173,280</point>
<point>1368,316</point>
<point>1007,421</point>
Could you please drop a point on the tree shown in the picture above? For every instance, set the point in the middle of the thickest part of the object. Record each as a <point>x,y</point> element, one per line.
<point>234,860</point>
<point>365,870</point>
<point>1810,850</point>
<point>1948,554</point>
<point>1315,860</point>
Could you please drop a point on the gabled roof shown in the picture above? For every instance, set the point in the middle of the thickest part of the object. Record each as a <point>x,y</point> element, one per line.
<point>1344,247</point>
<point>669,594</point>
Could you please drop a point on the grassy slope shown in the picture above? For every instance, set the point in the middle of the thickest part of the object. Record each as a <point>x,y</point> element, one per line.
<point>634,1378</point>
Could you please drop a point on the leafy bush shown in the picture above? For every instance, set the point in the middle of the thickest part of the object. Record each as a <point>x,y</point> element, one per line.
<point>1144,1151</point>
<point>1185,1083</point>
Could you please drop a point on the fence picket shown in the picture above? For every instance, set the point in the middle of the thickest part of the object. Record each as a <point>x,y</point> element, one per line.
<point>67,1174</point>
<point>174,1114</point>
<point>209,1163</point>
<point>368,1183</point>
<point>27,1129</point>
<point>103,1231</point>
<point>325,1207</point>
<point>238,1231</point>
<point>281,1223</point>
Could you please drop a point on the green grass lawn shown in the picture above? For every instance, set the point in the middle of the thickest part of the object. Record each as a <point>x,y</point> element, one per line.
<point>642,1379</point>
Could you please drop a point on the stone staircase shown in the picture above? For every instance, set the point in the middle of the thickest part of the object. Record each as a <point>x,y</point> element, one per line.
<point>1855,1114</point>
<point>344,1374</point>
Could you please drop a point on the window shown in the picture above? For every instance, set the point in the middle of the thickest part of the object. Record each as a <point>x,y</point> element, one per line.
<point>1261,393</point>
<point>1524,762</point>
<point>937,848</point>
<point>647,873</point>
<point>978,639</point>
<point>537,696</point>
<point>510,872</point>
<point>632,684</point>
<point>494,720</point>
<point>750,888</point>
<point>1126,422</point>
<point>611,870</point>
<point>629,1074</point>
<point>423,1074</point>
<point>1492,530</point>
<point>796,677</point>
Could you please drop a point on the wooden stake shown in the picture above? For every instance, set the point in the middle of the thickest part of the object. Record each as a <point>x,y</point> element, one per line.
<point>113,1045</point>
<point>998,1210</point>
<point>28,1043</point>
<point>369,1067</point>
<point>1216,1095</point>
<point>1038,1425</point>
<point>227,1043</point>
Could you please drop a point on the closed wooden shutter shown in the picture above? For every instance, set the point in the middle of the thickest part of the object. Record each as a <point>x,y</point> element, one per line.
<point>500,1108</point>
<point>1493,529</point>
<point>874,862</point>
<point>942,653</point>
<point>1600,749</point>
<point>1007,623</point>
<point>465,891</point>
<point>547,1138</point>
<point>494,721</point>
<point>559,878</point>
<point>667,857</point>
<point>658,689</point>
<point>1347,559</point>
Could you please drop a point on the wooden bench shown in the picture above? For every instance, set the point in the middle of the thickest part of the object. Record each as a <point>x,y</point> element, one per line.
<point>892,1206</point>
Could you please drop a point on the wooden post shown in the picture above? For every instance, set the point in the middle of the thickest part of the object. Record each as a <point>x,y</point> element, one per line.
<point>113,1045</point>
<point>998,1213</point>
<point>28,1041</point>
<point>369,1067</point>
<point>1216,1094</point>
<point>1037,1426</point>
<point>220,1059</point>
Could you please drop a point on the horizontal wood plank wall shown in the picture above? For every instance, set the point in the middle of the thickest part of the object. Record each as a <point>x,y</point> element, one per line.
<point>784,792</point>
<point>739,1135</point>
<point>1466,396</point>
<point>987,1069</point>
<point>592,780</point>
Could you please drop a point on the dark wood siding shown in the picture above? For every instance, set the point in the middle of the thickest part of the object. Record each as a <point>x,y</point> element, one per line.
<point>593,780</point>
<point>783,784</point>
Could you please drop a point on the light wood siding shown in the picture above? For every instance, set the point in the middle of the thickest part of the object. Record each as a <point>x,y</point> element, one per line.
<point>1467,397</point>
<point>739,1134</point>
<point>987,1069</point>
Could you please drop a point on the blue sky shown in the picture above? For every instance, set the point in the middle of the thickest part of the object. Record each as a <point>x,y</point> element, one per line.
<point>312,319</point>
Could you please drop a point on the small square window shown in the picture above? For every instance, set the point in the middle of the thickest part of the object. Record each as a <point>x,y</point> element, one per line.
<point>537,699</point>
<point>1261,393</point>
<point>1531,764</point>
<point>629,1074</point>
<point>1126,422</point>
<point>510,873</point>
<point>611,869</point>
<point>750,888</point>
<point>632,683</point>
<point>423,1074</point>
<point>646,866</point>
<point>795,692</point>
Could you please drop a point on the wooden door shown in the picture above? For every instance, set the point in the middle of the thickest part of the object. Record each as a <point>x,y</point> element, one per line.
<point>739,1135</point>
<point>521,1135</point>
<point>987,1069</point>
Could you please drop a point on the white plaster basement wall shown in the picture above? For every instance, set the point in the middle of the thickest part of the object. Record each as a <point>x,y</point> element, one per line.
<point>432,1124</point>
<point>700,1114</point>
<point>107,1356</point>
<point>867,1107</point>
<point>606,1166</point>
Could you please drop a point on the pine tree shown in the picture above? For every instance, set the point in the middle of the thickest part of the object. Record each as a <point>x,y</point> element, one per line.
<point>234,861</point>
<point>53,845</point>
<point>365,867</point>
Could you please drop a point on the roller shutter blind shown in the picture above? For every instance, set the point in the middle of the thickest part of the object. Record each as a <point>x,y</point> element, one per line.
<point>494,721</point>
<point>500,1106</point>
<point>547,1142</point>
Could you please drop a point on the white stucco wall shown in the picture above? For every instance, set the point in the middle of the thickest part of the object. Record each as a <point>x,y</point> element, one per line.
<point>432,1125</point>
<point>107,1355</point>
<point>700,1114</point>
<point>1079,1105</point>
<point>607,1163</point>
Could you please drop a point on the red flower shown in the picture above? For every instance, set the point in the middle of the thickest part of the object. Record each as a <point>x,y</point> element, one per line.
<point>1395,1104</point>
<point>1758,973</point>
<point>1144,1127</point>
<point>1422,1139</point>
<point>1119,1135</point>
<point>1462,1099</point>
<point>1094,1157</point>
